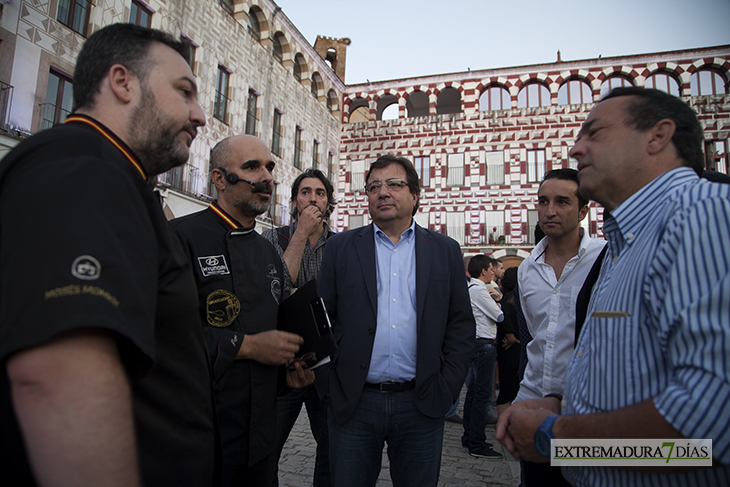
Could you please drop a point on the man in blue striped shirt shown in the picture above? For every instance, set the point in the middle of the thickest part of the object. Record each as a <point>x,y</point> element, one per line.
<point>651,360</point>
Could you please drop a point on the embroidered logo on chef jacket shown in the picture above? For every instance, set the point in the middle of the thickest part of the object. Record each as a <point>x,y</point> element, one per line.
<point>221,308</point>
<point>275,283</point>
<point>213,265</point>
<point>86,267</point>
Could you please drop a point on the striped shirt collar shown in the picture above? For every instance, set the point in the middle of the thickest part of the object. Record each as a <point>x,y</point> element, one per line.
<point>111,137</point>
<point>630,217</point>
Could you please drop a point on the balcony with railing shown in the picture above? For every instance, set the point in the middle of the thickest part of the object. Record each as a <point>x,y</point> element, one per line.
<point>185,179</point>
<point>499,236</point>
<point>357,181</point>
<point>220,106</point>
<point>6,100</point>
<point>52,115</point>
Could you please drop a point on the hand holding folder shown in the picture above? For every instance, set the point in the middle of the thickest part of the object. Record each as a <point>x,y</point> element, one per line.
<point>304,313</point>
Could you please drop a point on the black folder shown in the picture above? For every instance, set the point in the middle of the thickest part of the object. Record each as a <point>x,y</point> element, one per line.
<point>304,313</point>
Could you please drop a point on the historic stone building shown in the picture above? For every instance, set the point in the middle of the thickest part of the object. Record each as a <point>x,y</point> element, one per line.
<point>481,140</point>
<point>256,74</point>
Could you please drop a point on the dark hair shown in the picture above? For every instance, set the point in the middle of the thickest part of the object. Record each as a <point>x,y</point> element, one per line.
<point>411,174</point>
<point>478,263</point>
<point>509,280</point>
<point>329,189</point>
<point>125,44</point>
<point>566,174</point>
<point>652,106</point>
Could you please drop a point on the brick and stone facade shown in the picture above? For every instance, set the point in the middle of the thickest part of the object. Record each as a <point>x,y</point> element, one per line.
<point>482,139</point>
<point>515,135</point>
<point>35,43</point>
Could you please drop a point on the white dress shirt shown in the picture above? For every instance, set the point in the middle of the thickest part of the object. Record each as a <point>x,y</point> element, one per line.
<point>548,304</point>
<point>487,312</point>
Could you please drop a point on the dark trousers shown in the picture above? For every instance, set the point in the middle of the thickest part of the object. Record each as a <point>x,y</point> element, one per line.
<point>288,409</point>
<point>542,475</point>
<point>261,473</point>
<point>478,395</point>
<point>414,442</point>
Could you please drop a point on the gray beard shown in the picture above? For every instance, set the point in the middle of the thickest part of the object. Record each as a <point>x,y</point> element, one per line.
<point>250,208</point>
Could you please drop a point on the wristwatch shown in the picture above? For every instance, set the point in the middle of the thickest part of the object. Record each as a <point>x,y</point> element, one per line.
<point>544,434</point>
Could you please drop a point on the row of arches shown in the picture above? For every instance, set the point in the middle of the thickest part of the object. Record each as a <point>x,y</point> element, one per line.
<point>503,95</point>
<point>285,52</point>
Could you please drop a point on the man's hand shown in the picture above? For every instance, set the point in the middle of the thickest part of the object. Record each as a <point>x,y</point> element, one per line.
<point>298,375</point>
<point>518,438</point>
<point>496,295</point>
<point>309,220</point>
<point>271,347</point>
<point>509,340</point>
<point>522,428</point>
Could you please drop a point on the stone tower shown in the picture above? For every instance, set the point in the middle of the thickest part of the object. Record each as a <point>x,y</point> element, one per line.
<point>334,51</point>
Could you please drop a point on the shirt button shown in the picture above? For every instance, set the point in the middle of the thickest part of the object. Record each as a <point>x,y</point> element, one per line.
<point>394,300</point>
<point>580,353</point>
<point>629,235</point>
<point>615,259</point>
<point>393,327</point>
<point>555,291</point>
<point>393,355</point>
<point>550,346</point>
<point>547,374</point>
<point>562,403</point>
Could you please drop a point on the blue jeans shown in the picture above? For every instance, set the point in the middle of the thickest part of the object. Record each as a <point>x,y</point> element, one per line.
<point>288,408</point>
<point>478,395</point>
<point>414,442</point>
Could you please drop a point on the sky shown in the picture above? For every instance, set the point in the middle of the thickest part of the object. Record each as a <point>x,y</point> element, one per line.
<point>394,39</point>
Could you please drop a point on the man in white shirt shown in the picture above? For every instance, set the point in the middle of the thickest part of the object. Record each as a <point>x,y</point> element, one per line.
<point>549,282</point>
<point>493,286</point>
<point>487,314</point>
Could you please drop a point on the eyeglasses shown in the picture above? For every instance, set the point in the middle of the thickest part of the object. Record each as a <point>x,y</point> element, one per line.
<point>392,184</point>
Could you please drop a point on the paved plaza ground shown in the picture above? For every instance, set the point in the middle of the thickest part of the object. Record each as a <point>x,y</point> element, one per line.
<point>457,466</point>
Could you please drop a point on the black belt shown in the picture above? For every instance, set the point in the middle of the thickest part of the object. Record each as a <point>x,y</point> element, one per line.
<point>392,386</point>
<point>491,341</point>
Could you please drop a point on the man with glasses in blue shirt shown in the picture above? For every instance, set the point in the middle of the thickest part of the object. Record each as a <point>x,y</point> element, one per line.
<point>402,318</point>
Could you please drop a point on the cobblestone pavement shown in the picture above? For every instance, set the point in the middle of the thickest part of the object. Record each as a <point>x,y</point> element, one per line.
<point>457,466</point>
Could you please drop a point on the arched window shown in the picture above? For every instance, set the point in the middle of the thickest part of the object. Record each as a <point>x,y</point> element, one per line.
<point>494,98</point>
<point>316,83</point>
<point>448,101</point>
<point>417,104</point>
<point>359,110</point>
<point>663,82</point>
<point>332,100</point>
<point>387,108</point>
<point>575,92</point>
<point>254,27</point>
<point>615,81</point>
<point>707,82</point>
<point>278,50</point>
<point>300,66</point>
<point>533,94</point>
<point>331,58</point>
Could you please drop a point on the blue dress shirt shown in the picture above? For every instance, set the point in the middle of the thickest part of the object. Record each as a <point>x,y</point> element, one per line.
<point>394,348</point>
